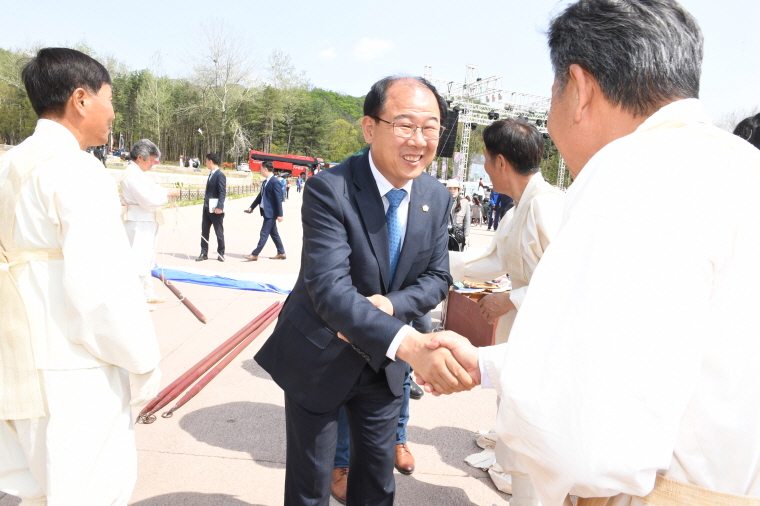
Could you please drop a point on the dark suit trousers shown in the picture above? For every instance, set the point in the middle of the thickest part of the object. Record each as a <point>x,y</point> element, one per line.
<point>208,220</point>
<point>372,412</point>
<point>269,227</point>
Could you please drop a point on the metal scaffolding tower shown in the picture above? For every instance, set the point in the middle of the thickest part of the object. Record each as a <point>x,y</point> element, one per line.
<point>483,101</point>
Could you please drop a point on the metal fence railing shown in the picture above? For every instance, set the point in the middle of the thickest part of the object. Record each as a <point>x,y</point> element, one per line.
<point>198,194</point>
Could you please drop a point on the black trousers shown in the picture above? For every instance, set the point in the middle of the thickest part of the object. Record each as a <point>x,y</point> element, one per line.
<point>372,412</point>
<point>269,227</point>
<point>218,221</point>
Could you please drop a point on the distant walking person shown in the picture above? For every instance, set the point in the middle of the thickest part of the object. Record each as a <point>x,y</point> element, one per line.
<point>269,201</point>
<point>213,208</point>
<point>299,183</point>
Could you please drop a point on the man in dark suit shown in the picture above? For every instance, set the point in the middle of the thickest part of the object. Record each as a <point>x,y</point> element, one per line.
<point>374,259</point>
<point>269,201</point>
<point>503,204</point>
<point>213,208</point>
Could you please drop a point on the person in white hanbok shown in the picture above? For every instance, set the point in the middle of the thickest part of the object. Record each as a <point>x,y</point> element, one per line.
<point>74,328</point>
<point>514,149</point>
<point>630,376</point>
<point>143,200</point>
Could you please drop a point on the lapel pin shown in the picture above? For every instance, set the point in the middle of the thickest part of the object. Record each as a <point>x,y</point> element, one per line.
<point>425,208</point>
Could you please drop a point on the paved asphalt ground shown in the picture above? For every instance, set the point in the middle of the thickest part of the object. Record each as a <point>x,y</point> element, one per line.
<point>227,445</point>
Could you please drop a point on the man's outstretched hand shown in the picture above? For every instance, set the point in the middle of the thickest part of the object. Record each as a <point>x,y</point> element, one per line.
<point>434,362</point>
<point>461,349</point>
<point>438,366</point>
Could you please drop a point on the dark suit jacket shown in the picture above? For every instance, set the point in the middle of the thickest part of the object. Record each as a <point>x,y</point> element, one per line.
<point>345,259</point>
<point>504,203</point>
<point>272,207</point>
<point>216,188</point>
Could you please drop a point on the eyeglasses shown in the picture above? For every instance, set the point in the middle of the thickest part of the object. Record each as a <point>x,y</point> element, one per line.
<point>407,130</point>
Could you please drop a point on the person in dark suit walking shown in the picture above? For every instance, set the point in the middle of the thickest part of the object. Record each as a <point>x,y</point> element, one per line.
<point>269,201</point>
<point>213,208</point>
<point>374,259</point>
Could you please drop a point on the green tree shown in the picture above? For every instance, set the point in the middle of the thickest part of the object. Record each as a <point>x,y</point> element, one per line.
<point>342,106</point>
<point>342,141</point>
<point>313,128</point>
<point>17,118</point>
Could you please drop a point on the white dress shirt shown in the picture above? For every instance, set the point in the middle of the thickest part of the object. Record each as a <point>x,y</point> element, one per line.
<point>263,196</point>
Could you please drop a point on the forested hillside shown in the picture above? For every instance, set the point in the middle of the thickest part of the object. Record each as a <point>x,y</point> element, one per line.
<point>229,112</point>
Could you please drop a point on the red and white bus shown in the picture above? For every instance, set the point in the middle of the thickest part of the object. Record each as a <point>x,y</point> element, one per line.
<point>295,165</point>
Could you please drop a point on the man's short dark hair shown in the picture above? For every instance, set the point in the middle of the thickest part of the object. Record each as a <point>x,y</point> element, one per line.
<point>213,157</point>
<point>52,76</point>
<point>268,166</point>
<point>374,102</point>
<point>749,130</point>
<point>643,53</point>
<point>518,141</point>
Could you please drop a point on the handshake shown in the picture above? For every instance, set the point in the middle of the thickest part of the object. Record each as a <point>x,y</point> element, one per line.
<point>443,362</point>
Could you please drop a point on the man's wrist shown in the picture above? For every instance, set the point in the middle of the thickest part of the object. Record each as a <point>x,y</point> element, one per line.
<point>410,345</point>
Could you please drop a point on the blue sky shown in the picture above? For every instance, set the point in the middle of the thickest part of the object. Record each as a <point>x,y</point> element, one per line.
<point>346,46</point>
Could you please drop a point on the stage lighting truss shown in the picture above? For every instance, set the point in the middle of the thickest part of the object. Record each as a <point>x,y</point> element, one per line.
<point>483,101</point>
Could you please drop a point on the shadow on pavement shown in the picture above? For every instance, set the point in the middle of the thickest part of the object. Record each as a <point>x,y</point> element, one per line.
<point>193,499</point>
<point>259,430</point>
<point>252,427</point>
<point>182,255</point>
<point>9,500</point>
<point>412,491</point>
<point>255,369</point>
<point>453,445</point>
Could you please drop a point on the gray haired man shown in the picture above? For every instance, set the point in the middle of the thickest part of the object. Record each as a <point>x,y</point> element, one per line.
<point>143,200</point>
<point>642,386</point>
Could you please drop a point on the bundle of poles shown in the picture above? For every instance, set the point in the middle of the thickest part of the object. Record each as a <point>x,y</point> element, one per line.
<point>217,359</point>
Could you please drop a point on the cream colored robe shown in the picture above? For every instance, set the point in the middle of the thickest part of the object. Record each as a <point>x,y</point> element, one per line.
<point>517,247</point>
<point>88,322</point>
<point>637,350</point>
<point>144,200</point>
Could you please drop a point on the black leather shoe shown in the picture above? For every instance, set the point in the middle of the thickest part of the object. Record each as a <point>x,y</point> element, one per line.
<point>220,258</point>
<point>201,257</point>
<point>415,391</point>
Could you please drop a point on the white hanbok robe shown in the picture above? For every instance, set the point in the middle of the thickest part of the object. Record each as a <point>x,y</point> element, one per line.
<point>89,326</point>
<point>143,199</point>
<point>519,243</point>
<point>636,350</point>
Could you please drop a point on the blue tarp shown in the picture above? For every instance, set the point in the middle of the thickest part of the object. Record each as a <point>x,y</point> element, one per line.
<point>216,280</point>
